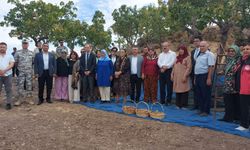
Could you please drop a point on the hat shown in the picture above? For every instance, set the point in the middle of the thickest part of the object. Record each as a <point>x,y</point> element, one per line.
<point>25,41</point>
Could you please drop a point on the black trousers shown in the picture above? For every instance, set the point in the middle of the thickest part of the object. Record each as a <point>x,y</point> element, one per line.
<point>15,71</point>
<point>182,99</point>
<point>165,78</point>
<point>203,93</point>
<point>135,83</point>
<point>244,113</point>
<point>232,107</point>
<point>42,80</point>
<point>88,83</point>
<point>196,102</point>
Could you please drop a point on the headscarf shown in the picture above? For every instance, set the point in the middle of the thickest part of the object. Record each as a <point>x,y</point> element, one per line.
<point>232,61</point>
<point>180,58</point>
<point>106,57</point>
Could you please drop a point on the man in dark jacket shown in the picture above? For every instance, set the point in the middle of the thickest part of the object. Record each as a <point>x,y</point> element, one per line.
<point>87,72</point>
<point>45,69</point>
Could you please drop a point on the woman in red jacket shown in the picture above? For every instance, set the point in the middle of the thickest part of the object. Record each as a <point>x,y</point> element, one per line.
<point>150,76</point>
<point>244,84</point>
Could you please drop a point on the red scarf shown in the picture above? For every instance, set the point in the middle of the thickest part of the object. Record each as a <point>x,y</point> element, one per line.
<point>183,56</point>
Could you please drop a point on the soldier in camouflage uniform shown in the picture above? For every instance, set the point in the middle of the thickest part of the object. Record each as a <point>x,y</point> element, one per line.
<point>61,48</point>
<point>24,60</point>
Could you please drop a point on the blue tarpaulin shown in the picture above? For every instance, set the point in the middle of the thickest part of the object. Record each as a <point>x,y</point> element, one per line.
<point>184,117</point>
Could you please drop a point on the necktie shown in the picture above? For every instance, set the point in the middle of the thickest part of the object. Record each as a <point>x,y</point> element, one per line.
<point>86,61</point>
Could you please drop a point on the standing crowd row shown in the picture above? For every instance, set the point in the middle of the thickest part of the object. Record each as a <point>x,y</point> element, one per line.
<point>98,74</point>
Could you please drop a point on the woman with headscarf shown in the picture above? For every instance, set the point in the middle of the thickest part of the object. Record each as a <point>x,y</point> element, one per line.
<point>231,95</point>
<point>104,75</point>
<point>150,71</point>
<point>180,76</point>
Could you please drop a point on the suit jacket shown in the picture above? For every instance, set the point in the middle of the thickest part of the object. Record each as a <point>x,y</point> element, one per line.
<point>39,65</point>
<point>193,62</point>
<point>91,64</point>
<point>139,64</point>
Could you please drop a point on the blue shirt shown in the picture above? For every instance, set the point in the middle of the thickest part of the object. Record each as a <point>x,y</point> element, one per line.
<point>203,62</point>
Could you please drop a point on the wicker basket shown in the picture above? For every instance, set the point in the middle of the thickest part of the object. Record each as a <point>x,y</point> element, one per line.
<point>156,114</point>
<point>142,112</point>
<point>127,109</point>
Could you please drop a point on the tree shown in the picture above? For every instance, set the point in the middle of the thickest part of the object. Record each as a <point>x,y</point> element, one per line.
<point>187,15</point>
<point>73,32</point>
<point>154,23</point>
<point>37,20</point>
<point>96,35</point>
<point>126,24</point>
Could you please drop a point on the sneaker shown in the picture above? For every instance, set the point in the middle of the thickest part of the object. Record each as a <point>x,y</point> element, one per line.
<point>241,128</point>
<point>8,106</point>
<point>17,103</point>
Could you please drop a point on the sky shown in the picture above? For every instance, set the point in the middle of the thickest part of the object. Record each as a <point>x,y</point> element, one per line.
<point>86,10</point>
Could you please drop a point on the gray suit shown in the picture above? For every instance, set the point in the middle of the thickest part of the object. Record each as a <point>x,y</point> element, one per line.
<point>135,79</point>
<point>139,64</point>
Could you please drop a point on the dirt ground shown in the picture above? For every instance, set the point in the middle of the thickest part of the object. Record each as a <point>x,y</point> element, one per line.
<point>70,126</point>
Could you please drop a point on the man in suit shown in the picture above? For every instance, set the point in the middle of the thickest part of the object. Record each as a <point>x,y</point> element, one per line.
<point>194,55</point>
<point>135,77</point>
<point>87,71</point>
<point>45,69</point>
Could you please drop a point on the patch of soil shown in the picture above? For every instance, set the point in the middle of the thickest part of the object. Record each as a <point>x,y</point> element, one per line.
<point>69,126</point>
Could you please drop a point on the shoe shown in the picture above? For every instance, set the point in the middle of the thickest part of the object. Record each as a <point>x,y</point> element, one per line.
<point>225,120</point>
<point>102,102</point>
<point>203,114</point>
<point>17,103</point>
<point>31,102</point>
<point>49,101</point>
<point>194,108</point>
<point>241,128</point>
<point>39,102</point>
<point>8,106</point>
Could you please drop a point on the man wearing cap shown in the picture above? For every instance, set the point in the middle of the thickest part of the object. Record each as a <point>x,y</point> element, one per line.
<point>24,62</point>
<point>61,48</point>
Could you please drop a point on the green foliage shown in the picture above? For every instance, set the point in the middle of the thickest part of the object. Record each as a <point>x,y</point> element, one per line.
<point>96,34</point>
<point>37,19</point>
<point>126,24</point>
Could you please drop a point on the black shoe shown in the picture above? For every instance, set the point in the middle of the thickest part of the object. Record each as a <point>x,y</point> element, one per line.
<point>225,120</point>
<point>162,102</point>
<point>49,101</point>
<point>8,106</point>
<point>194,108</point>
<point>39,102</point>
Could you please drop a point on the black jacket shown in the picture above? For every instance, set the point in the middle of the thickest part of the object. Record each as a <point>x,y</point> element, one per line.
<point>91,64</point>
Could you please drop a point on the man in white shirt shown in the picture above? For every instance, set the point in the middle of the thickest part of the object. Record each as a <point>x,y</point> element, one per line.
<point>45,69</point>
<point>165,62</point>
<point>135,77</point>
<point>6,63</point>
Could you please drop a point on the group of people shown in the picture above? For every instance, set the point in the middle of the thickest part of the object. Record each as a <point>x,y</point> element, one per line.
<point>93,74</point>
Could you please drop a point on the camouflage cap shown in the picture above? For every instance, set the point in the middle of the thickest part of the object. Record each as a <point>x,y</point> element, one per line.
<point>25,41</point>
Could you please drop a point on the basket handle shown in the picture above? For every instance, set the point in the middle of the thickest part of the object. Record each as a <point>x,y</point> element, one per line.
<point>142,102</point>
<point>129,101</point>
<point>158,104</point>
